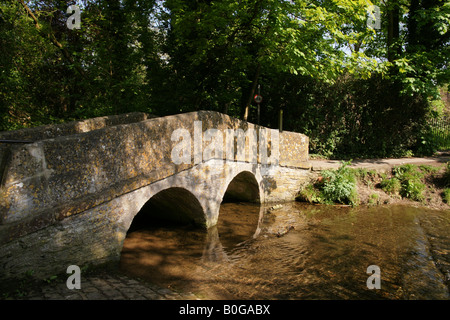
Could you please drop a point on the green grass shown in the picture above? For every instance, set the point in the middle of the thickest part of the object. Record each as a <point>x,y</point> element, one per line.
<point>391,186</point>
<point>429,169</point>
<point>374,199</point>
<point>310,194</point>
<point>407,181</point>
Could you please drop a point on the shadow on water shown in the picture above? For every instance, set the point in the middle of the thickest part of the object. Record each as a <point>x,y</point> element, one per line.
<point>299,252</point>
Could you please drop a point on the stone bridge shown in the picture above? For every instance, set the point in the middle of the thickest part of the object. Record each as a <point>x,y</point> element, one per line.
<point>70,195</point>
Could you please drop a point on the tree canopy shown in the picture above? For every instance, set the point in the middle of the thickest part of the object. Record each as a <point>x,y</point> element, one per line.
<point>311,59</point>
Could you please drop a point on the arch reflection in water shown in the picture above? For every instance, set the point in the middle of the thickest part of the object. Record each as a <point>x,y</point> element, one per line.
<point>176,252</point>
<point>238,224</point>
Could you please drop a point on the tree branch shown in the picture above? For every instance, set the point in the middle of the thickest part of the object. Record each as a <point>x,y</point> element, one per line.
<point>53,40</point>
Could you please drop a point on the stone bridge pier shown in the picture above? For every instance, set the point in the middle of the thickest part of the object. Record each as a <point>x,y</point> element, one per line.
<point>70,196</point>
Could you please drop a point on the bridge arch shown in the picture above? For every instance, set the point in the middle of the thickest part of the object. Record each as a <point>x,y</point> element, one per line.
<point>174,204</point>
<point>243,223</point>
<point>243,186</point>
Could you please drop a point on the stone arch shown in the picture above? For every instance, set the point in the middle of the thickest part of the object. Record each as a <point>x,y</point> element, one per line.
<point>173,204</point>
<point>243,186</point>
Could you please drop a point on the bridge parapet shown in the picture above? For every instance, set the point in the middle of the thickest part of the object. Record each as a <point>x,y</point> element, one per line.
<point>73,127</point>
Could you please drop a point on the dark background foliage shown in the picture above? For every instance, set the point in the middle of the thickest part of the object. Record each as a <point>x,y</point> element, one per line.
<point>167,57</point>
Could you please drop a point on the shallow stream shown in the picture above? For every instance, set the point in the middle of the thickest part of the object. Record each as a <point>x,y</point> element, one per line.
<point>299,251</point>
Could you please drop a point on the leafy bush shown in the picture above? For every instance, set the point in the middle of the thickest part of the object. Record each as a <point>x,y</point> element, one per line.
<point>391,186</point>
<point>410,178</point>
<point>407,171</point>
<point>446,195</point>
<point>364,118</point>
<point>310,194</point>
<point>335,186</point>
<point>407,181</point>
<point>340,185</point>
<point>413,189</point>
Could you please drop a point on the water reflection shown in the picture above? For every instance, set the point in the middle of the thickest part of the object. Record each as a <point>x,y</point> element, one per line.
<point>299,252</point>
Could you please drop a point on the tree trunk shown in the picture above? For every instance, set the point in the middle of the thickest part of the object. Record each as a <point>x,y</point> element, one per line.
<point>394,49</point>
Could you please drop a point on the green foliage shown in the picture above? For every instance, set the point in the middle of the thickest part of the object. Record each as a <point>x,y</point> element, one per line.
<point>336,186</point>
<point>310,194</point>
<point>446,195</point>
<point>391,186</point>
<point>374,199</point>
<point>317,60</point>
<point>408,172</point>
<point>340,185</point>
<point>351,118</point>
<point>14,289</point>
<point>51,279</point>
<point>447,174</point>
<point>410,178</point>
<point>417,36</point>
<point>407,181</point>
<point>434,135</point>
<point>413,189</point>
<point>429,169</point>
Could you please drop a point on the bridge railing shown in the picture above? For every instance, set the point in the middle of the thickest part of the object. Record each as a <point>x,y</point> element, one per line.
<point>440,132</point>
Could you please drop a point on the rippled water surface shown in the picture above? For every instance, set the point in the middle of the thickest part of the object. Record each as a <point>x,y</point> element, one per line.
<point>299,252</point>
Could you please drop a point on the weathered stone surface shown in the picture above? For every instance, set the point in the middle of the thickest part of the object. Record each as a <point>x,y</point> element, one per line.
<point>71,199</point>
<point>45,174</point>
<point>294,150</point>
<point>74,127</point>
<point>105,286</point>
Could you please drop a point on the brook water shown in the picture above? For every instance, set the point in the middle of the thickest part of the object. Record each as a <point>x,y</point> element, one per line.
<point>299,251</point>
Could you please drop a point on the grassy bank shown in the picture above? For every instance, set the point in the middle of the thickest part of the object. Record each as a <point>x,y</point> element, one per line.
<point>413,184</point>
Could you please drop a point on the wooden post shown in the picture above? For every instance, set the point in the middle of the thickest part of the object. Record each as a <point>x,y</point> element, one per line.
<point>280,121</point>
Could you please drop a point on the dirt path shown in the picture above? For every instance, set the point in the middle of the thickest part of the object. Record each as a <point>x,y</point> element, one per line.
<point>381,164</point>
